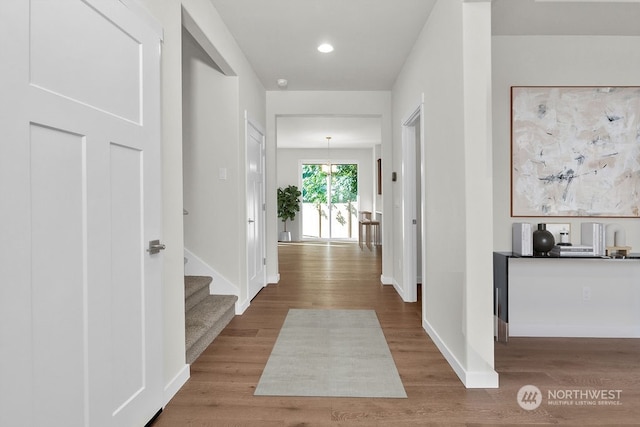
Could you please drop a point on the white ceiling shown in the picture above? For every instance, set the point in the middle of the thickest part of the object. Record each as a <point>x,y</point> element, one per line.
<point>372,39</point>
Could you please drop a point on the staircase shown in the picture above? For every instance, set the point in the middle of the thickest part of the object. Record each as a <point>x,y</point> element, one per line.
<point>205,315</point>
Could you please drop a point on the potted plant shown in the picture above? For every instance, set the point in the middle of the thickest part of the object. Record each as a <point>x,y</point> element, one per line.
<point>288,207</point>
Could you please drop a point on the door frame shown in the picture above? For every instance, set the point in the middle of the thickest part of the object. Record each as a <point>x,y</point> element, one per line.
<point>410,141</point>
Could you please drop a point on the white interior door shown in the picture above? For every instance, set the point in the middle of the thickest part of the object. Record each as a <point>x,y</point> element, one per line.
<point>80,183</point>
<point>255,209</point>
<point>410,141</point>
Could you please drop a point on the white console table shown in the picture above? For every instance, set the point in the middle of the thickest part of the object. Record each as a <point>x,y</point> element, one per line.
<point>566,297</point>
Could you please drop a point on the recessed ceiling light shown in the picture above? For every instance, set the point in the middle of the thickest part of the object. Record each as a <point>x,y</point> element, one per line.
<point>325,48</point>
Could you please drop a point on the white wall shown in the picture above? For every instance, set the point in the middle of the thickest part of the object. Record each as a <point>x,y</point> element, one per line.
<point>552,61</point>
<point>325,103</point>
<point>251,97</point>
<point>457,278</point>
<point>210,120</point>
<point>289,173</point>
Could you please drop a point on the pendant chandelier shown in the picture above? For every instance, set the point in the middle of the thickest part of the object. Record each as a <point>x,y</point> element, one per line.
<point>329,168</point>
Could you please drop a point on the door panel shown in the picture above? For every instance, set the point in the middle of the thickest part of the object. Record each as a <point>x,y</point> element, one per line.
<point>81,175</point>
<point>58,281</point>
<point>127,280</point>
<point>58,56</point>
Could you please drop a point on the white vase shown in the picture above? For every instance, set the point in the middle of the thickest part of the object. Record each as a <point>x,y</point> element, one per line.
<point>284,236</point>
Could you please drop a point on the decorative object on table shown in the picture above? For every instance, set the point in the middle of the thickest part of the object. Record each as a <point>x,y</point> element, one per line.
<point>592,234</point>
<point>616,241</point>
<point>288,207</point>
<point>521,239</point>
<point>543,241</point>
<point>572,251</point>
<point>575,151</point>
<point>564,238</point>
<point>556,228</point>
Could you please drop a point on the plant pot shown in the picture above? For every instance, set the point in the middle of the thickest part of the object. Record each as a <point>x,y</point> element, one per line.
<point>284,236</point>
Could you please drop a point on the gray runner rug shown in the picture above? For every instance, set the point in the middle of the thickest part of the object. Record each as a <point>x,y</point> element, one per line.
<point>333,353</point>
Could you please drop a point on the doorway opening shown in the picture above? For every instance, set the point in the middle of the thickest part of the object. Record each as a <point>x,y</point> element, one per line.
<point>329,201</point>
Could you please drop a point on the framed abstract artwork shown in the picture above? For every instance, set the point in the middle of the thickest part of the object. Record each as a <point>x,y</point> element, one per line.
<point>575,151</point>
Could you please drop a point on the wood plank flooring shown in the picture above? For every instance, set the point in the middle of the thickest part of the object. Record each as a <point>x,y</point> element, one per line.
<point>340,275</point>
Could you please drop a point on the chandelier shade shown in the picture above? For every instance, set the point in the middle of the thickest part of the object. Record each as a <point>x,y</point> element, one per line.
<point>328,167</point>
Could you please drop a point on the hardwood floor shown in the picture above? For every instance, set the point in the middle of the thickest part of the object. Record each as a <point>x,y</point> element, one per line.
<point>338,275</point>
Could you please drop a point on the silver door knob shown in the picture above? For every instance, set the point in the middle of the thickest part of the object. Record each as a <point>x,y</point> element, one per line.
<point>155,246</point>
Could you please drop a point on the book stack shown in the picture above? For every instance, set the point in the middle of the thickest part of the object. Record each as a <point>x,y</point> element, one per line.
<point>572,251</point>
<point>592,234</point>
<point>521,239</point>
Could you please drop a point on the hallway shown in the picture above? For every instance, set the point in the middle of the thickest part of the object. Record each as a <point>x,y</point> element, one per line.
<point>341,276</point>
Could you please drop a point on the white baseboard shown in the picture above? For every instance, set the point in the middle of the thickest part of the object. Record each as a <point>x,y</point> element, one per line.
<point>487,378</point>
<point>399,290</point>
<point>219,285</point>
<point>241,306</point>
<point>273,279</point>
<point>176,384</point>
<point>573,331</point>
<point>391,281</point>
<point>482,379</point>
<point>386,280</point>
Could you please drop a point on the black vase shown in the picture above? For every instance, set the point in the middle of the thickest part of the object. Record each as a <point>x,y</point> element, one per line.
<point>543,241</point>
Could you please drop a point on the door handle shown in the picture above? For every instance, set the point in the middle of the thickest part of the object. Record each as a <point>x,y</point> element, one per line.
<point>155,246</point>
<point>251,221</point>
